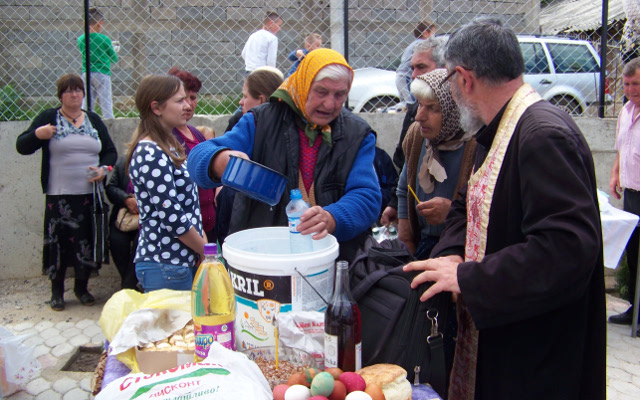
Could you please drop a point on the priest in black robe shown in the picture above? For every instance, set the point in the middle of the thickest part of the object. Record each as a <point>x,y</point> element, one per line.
<point>522,248</point>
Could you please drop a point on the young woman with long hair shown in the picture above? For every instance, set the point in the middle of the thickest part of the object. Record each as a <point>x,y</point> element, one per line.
<point>171,242</point>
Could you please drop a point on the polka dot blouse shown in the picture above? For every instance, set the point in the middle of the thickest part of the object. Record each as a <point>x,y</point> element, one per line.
<point>168,203</point>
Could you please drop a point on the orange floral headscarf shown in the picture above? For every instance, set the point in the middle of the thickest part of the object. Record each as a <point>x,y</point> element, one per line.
<point>295,89</point>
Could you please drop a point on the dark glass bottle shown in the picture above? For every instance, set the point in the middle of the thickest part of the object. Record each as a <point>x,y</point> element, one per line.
<point>342,325</point>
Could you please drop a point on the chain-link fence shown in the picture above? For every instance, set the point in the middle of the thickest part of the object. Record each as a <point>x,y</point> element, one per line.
<point>38,44</point>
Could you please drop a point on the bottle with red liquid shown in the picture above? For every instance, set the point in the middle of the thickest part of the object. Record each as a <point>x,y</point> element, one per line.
<point>342,325</point>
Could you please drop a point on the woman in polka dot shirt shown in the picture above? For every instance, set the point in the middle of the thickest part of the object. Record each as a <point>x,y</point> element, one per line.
<point>171,242</point>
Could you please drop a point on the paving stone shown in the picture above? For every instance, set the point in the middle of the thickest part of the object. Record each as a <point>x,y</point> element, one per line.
<point>79,340</point>
<point>49,333</point>
<point>630,367</point>
<point>70,332</point>
<point>37,386</point>
<point>62,349</point>
<point>85,323</point>
<point>41,350</point>
<point>48,395</point>
<point>77,394</point>
<point>625,388</point>
<point>618,374</point>
<point>92,330</point>
<point>85,384</point>
<point>22,326</point>
<point>21,395</point>
<point>612,394</point>
<point>42,325</point>
<point>64,325</point>
<point>33,341</point>
<point>54,341</point>
<point>98,339</point>
<point>64,385</point>
<point>47,361</point>
<point>627,397</point>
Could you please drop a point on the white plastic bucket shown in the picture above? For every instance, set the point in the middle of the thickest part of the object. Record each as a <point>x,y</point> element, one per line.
<point>266,279</point>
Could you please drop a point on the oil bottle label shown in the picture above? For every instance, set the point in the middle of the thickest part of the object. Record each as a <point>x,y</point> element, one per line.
<point>223,334</point>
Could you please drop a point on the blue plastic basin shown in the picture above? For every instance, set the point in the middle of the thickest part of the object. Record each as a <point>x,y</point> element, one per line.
<point>254,180</point>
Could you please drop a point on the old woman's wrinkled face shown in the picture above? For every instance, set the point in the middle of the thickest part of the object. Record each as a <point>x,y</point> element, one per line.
<point>326,99</point>
<point>429,115</point>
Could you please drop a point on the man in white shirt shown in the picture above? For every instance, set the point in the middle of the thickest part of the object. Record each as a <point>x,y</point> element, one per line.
<point>262,46</point>
<point>624,174</point>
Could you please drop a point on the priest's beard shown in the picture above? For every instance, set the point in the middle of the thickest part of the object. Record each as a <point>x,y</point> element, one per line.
<point>469,116</point>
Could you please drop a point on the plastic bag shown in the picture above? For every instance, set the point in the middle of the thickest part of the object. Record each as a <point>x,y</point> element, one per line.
<point>124,302</point>
<point>147,326</point>
<point>304,330</point>
<point>224,374</point>
<point>18,366</point>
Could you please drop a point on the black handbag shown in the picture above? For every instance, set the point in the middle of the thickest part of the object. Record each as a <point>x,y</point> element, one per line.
<point>100,226</point>
<point>398,328</point>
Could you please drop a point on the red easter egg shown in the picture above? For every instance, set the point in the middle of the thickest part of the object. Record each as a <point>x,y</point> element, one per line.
<point>353,381</point>
<point>339,391</point>
<point>278,392</point>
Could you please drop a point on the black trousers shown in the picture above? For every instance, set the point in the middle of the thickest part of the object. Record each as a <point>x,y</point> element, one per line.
<point>632,205</point>
<point>123,250</point>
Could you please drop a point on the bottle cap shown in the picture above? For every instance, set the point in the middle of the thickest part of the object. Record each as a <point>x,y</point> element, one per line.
<point>295,194</point>
<point>210,249</point>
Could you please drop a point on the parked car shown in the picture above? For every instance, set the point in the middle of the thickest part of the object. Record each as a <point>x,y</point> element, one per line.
<point>566,72</point>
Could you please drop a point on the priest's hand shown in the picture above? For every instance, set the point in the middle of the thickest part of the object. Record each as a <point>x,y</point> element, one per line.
<point>435,210</point>
<point>443,271</point>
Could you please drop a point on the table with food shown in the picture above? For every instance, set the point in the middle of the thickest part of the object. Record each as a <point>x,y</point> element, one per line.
<point>261,323</point>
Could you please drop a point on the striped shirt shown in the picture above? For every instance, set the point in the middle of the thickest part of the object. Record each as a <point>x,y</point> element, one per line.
<point>628,147</point>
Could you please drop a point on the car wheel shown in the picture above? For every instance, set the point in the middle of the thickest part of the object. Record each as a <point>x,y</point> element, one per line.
<point>568,104</point>
<point>377,103</point>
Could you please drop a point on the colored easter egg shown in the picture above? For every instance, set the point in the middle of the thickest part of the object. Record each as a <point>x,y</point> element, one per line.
<point>339,391</point>
<point>278,392</point>
<point>322,384</point>
<point>297,392</point>
<point>374,391</point>
<point>318,398</point>
<point>335,372</point>
<point>310,373</point>
<point>298,379</point>
<point>358,395</point>
<point>353,382</point>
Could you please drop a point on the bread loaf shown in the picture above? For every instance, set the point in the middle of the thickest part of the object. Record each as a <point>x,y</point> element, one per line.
<point>391,378</point>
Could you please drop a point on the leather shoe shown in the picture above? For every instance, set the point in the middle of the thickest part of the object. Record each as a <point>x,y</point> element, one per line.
<point>57,303</point>
<point>86,299</point>
<point>624,318</point>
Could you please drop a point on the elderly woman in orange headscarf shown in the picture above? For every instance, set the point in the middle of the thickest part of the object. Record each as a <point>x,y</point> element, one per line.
<point>305,133</point>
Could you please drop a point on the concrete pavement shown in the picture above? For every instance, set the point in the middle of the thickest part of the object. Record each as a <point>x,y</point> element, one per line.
<point>54,343</point>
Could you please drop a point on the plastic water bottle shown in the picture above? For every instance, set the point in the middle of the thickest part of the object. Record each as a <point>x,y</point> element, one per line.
<point>299,243</point>
<point>213,305</point>
<point>102,170</point>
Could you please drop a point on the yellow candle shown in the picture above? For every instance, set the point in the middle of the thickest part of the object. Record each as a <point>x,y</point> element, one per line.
<point>414,194</point>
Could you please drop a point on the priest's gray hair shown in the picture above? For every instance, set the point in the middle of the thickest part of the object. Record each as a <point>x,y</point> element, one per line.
<point>487,48</point>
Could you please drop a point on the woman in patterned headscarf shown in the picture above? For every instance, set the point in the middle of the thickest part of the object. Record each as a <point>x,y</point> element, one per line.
<point>434,148</point>
<point>304,132</point>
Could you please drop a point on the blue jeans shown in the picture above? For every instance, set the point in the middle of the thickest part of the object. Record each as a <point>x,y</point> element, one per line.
<point>100,90</point>
<point>155,276</point>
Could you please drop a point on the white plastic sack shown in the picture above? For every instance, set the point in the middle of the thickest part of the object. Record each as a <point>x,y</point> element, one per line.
<point>18,366</point>
<point>224,374</point>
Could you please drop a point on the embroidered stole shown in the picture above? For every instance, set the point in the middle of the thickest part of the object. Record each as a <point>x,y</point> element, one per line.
<point>480,192</point>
